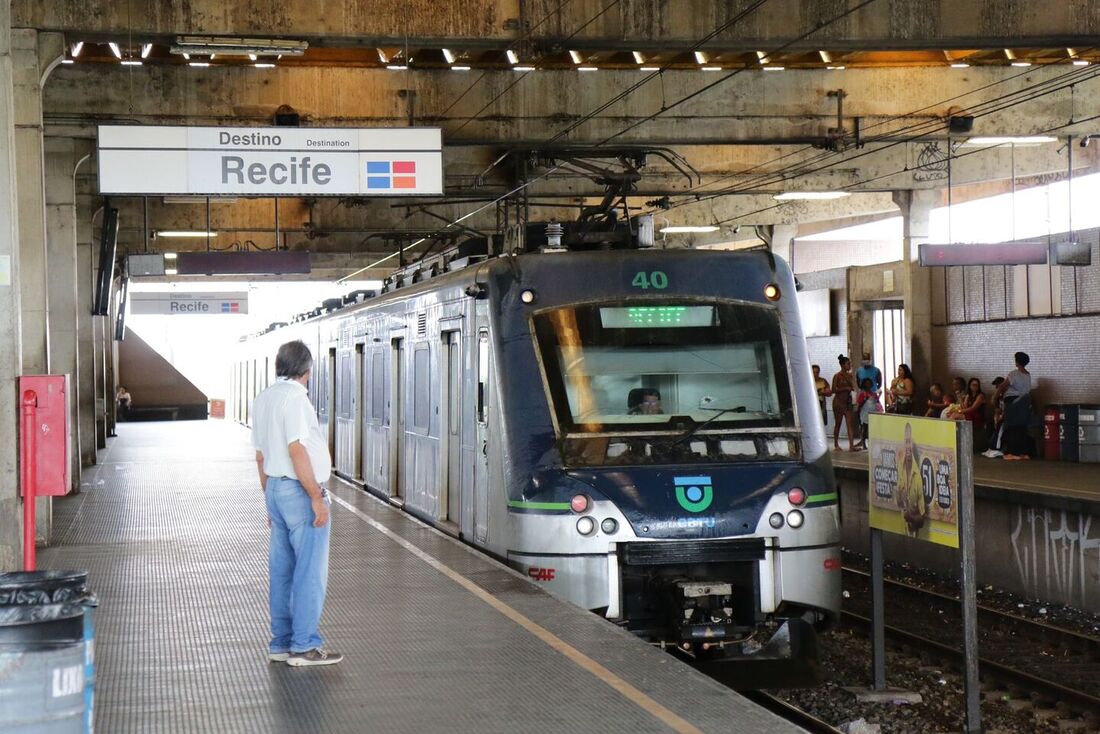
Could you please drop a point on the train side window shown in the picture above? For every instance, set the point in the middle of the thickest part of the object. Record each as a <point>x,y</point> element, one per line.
<point>482,377</point>
<point>421,387</point>
<point>377,384</point>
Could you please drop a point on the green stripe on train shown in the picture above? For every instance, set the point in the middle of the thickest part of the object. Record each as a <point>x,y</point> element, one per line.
<point>816,498</point>
<point>519,505</point>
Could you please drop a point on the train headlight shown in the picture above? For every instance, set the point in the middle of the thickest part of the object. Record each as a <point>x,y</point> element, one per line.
<point>586,525</point>
<point>795,518</point>
<point>579,503</point>
<point>796,496</point>
<point>771,292</point>
<point>776,520</point>
<point>527,296</point>
<point>609,526</point>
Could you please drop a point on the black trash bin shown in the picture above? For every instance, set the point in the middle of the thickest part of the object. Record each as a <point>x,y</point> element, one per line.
<point>46,618</point>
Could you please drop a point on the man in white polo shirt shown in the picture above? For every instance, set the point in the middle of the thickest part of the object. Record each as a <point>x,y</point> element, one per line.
<point>294,464</point>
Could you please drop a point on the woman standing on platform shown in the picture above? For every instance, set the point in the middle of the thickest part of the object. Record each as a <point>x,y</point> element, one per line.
<point>974,408</point>
<point>844,384</point>
<point>899,399</point>
<point>1016,390</point>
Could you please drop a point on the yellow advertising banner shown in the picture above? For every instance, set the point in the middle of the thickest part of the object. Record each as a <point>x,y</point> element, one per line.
<point>914,477</point>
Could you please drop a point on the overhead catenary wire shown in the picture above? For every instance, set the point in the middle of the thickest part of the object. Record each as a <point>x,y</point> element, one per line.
<point>1001,103</point>
<point>819,27</point>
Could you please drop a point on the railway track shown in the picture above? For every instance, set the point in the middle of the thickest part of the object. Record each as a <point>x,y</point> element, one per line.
<point>790,712</point>
<point>1052,666</point>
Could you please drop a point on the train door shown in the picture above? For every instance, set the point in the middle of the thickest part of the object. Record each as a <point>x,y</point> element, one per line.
<point>358,404</point>
<point>397,416</point>
<point>481,461</point>
<point>330,399</point>
<point>450,445</point>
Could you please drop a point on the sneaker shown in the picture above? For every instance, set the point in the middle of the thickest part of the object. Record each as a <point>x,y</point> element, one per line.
<point>277,657</point>
<point>313,657</point>
<point>992,454</point>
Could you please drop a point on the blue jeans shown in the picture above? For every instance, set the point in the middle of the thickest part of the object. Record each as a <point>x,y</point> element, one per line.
<point>298,563</point>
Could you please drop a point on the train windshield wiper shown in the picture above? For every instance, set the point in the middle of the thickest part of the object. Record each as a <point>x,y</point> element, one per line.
<point>699,426</point>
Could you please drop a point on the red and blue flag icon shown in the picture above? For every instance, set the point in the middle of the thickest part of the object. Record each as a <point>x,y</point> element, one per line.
<point>391,174</point>
<point>231,307</point>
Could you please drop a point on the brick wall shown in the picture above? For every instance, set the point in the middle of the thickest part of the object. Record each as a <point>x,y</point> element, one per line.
<point>1064,352</point>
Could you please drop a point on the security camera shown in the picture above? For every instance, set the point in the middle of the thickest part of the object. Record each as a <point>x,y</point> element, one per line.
<point>1085,141</point>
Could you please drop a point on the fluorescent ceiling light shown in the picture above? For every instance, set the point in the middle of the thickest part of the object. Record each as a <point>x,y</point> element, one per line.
<point>523,68</point>
<point>576,56</point>
<point>187,57</point>
<point>761,57</point>
<point>67,61</point>
<point>199,64</point>
<point>835,68</point>
<point>773,68</point>
<point>146,49</point>
<point>513,57</point>
<point>77,48</point>
<point>1007,139</point>
<point>587,68</point>
<point>131,62</point>
<point>170,256</point>
<point>826,57</point>
<point>460,68</point>
<point>170,271</point>
<point>810,195</point>
<point>960,65</point>
<point>638,58</point>
<point>114,49</point>
<point>650,68</point>
<point>383,56</point>
<point>1080,62</point>
<point>449,55</point>
<point>684,229</point>
<point>700,57</point>
<point>252,57</point>
<point>396,67</point>
<point>1021,63</point>
<point>237,46</point>
<point>711,68</point>
<point>184,233</point>
<point>260,65</point>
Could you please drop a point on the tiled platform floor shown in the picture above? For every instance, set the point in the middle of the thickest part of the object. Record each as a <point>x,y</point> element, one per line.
<point>171,527</point>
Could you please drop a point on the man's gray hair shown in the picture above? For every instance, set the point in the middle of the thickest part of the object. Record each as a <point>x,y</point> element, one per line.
<point>293,360</point>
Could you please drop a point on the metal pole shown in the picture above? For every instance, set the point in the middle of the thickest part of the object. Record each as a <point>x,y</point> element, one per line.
<point>145,222</point>
<point>965,449</point>
<point>30,479</point>
<point>276,222</point>
<point>878,615</point>
<point>208,224</point>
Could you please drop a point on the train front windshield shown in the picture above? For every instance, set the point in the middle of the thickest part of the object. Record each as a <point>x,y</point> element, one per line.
<point>671,367</point>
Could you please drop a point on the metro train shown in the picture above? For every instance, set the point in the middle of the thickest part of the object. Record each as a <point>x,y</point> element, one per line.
<point>638,431</point>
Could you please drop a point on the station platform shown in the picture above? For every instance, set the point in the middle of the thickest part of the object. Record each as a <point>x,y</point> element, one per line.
<point>1049,479</point>
<point>172,530</point>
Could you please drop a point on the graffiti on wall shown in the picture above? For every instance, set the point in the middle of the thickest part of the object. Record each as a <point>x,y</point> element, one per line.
<point>1055,556</point>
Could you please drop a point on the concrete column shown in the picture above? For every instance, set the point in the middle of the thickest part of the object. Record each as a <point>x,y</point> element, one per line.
<point>34,56</point>
<point>62,267</point>
<point>86,388</point>
<point>11,360</point>
<point>916,211</point>
<point>782,243</point>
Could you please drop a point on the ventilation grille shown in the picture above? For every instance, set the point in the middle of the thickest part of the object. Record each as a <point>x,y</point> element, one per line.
<point>422,324</point>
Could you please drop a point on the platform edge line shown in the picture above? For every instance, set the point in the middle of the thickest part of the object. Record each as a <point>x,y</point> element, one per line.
<point>628,691</point>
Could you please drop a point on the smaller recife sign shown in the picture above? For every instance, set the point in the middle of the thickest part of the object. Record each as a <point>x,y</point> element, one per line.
<point>188,304</point>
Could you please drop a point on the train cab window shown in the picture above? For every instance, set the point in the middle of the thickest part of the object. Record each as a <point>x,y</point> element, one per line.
<point>666,367</point>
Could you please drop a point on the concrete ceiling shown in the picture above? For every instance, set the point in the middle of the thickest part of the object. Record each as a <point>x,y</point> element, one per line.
<point>742,134</point>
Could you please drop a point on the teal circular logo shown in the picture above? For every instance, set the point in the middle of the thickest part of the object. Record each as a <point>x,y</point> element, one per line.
<point>694,494</point>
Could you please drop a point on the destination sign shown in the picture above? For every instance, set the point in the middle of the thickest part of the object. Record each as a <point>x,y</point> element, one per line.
<point>189,304</point>
<point>236,161</point>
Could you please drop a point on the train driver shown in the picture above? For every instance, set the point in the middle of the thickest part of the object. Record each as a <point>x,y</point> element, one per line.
<point>644,401</point>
